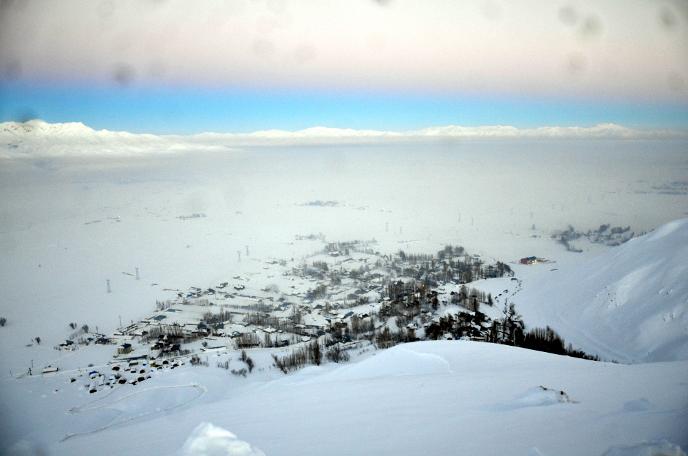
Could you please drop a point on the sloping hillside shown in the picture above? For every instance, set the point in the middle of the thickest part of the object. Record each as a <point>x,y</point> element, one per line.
<point>439,398</point>
<point>629,304</point>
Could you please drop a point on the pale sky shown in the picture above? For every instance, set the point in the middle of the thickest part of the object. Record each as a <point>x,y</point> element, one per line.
<point>628,52</point>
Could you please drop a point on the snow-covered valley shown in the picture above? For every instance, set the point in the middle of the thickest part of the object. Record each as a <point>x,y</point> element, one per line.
<point>97,241</point>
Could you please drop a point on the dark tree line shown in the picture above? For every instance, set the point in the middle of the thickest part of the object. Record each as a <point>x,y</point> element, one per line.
<point>299,357</point>
<point>451,264</point>
<point>547,340</point>
<point>463,324</point>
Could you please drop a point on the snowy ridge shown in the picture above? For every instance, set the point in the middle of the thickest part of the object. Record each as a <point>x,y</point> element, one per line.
<point>629,304</point>
<point>489,399</point>
<point>38,138</point>
<point>209,440</point>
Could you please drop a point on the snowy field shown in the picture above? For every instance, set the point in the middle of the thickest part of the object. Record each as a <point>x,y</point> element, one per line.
<point>69,224</point>
<point>429,397</point>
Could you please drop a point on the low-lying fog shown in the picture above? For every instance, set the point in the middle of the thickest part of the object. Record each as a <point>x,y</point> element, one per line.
<point>70,224</point>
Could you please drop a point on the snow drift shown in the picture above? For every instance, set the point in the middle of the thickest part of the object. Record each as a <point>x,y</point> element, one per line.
<point>629,304</point>
<point>654,448</point>
<point>210,440</point>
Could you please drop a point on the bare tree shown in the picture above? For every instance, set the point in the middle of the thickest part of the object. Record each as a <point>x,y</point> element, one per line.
<point>249,362</point>
<point>336,354</point>
<point>314,353</point>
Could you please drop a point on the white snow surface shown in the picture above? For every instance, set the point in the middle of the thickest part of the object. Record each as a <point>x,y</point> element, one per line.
<point>209,440</point>
<point>628,304</point>
<point>653,448</point>
<point>487,399</point>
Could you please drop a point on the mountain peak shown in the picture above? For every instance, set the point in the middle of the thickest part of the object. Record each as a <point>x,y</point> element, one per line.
<point>41,127</point>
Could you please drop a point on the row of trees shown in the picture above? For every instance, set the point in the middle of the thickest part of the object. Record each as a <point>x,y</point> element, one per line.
<point>311,353</point>
<point>547,340</point>
<point>224,316</point>
<point>299,357</point>
<point>450,264</point>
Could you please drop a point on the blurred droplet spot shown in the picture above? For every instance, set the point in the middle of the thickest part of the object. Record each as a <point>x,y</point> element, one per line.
<point>667,18</point>
<point>24,114</point>
<point>6,4</point>
<point>568,15</point>
<point>11,70</point>
<point>123,74</point>
<point>591,27</point>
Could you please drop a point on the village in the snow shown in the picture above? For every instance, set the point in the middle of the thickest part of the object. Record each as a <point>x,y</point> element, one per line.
<point>344,298</point>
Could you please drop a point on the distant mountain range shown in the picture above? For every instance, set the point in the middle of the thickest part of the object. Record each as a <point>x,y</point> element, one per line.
<point>39,138</point>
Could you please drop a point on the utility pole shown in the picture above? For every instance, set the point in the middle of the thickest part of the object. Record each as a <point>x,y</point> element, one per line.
<point>246,250</point>
<point>239,255</point>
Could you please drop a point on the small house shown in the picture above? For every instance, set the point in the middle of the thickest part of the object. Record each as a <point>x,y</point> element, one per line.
<point>529,260</point>
<point>124,349</point>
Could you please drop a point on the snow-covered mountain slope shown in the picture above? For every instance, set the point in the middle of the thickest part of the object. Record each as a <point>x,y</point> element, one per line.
<point>40,128</point>
<point>36,138</point>
<point>629,304</point>
<point>438,398</point>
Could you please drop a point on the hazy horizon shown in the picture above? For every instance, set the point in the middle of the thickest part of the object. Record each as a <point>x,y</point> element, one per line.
<point>160,66</point>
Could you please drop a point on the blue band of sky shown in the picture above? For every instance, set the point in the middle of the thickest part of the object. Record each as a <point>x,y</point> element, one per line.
<point>186,110</point>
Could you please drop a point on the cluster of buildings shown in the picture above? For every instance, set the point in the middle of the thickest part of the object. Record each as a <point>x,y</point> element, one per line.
<point>342,294</point>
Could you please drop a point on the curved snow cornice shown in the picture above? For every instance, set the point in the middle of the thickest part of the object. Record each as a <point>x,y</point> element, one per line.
<point>39,138</point>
